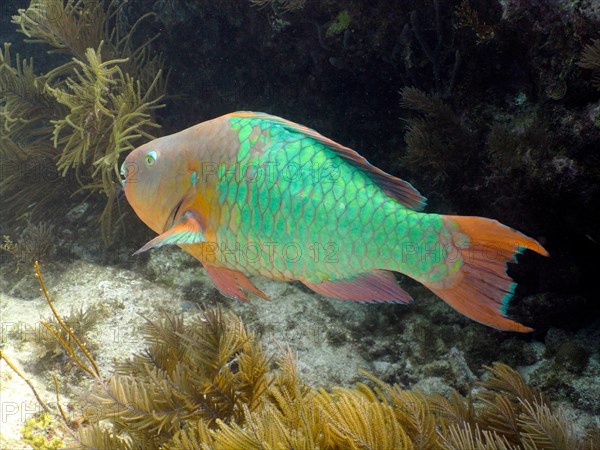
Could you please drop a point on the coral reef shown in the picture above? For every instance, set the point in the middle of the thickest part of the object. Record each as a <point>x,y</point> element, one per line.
<point>281,6</point>
<point>340,24</point>
<point>590,59</point>
<point>73,122</point>
<point>468,18</point>
<point>26,153</point>
<point>206,383</point>
<point>437,143</point>
<point>54,342</point>
<point>35,243</point>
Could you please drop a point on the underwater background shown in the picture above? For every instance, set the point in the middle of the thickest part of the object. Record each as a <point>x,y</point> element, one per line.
<point>489,108</point>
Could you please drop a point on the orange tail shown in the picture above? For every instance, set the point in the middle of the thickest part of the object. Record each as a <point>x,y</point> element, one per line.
<point>481,289</point>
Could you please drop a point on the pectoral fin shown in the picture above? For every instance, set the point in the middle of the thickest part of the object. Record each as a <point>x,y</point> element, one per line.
<point>186,231</point>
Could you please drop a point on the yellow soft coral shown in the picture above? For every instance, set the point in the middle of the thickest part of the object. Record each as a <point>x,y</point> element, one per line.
<point>206,384</point>
<point>79,117</point>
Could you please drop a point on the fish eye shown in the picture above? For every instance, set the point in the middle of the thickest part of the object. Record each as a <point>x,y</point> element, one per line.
<point>151,158</point>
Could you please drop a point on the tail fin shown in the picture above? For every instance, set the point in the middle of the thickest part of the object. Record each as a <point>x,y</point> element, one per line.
<point>481,289</point>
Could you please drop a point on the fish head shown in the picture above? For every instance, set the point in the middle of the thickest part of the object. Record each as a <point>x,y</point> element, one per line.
<point>158,180</point>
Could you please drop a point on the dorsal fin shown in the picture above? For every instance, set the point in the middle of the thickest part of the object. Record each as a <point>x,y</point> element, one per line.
<point>396,188</point>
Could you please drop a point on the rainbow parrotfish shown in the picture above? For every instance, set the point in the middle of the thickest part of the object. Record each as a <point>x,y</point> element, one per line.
<point>254,194</point>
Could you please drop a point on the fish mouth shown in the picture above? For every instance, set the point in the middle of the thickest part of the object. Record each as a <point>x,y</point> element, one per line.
<point>173,215</point>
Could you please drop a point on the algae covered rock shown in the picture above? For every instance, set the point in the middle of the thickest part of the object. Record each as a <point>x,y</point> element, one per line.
<point>572,357</point>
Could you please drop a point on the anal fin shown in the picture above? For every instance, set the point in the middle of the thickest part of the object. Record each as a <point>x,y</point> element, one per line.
<point>233,283</point>
<point>376,286</point>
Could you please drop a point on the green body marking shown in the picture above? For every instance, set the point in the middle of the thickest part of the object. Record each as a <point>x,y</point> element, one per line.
<point>297,210</point>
